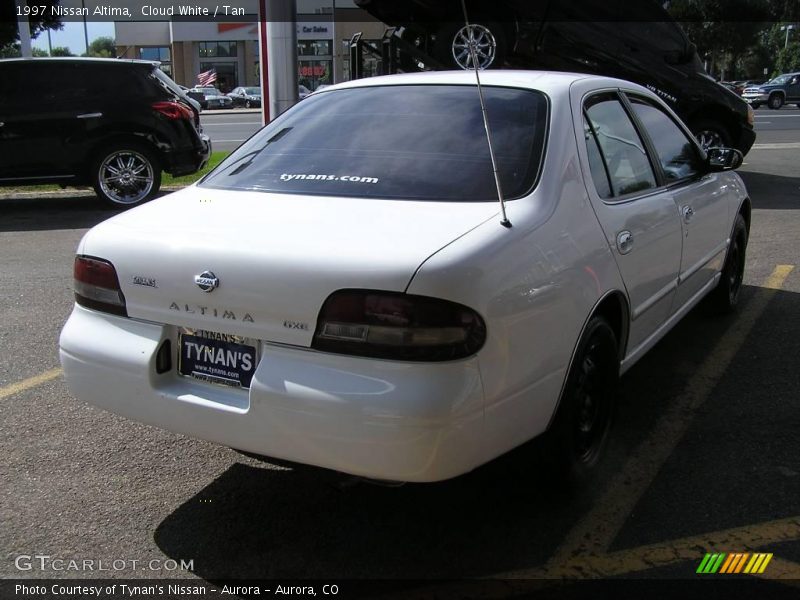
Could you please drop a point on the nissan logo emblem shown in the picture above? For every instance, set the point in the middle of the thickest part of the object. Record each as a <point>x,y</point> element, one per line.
<point>207,281</point>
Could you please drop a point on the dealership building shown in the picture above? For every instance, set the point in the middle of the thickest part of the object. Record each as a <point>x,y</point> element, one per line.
<point>186,48</point>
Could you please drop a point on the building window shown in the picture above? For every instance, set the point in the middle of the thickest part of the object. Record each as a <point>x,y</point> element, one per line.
<point>160,53</point>
<point>371,66</point>
<point>314,48</point>
<point>314,73</point>
<point>217,49</point>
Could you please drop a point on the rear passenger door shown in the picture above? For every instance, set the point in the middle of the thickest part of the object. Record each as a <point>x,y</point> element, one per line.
<point>699,198</point>
<point>793,89</point>
<point>638,216</point>
<point>42,120</point>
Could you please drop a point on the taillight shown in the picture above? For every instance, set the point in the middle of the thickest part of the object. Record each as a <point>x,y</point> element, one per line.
<point>173,110</point>
<point>397,326</point>
<point>97,286</point>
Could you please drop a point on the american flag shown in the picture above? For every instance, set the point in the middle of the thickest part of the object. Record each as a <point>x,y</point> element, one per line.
<point>207,78</point>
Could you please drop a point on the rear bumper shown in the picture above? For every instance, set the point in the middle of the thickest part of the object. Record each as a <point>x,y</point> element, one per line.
<point>189,160</point>
<point>377,419</point>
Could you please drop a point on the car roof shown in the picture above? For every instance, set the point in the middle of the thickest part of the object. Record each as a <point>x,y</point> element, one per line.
<point>81,59</point>
<point>554,82</point>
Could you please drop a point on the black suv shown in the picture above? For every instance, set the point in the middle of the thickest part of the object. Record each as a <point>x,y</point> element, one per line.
<point>113,124</point>
<point>637,41</point>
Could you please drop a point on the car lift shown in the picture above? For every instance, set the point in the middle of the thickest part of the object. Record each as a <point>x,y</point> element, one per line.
<point>395,55</point>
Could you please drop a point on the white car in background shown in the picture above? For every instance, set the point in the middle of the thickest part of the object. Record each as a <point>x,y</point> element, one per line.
<point>341,291</point>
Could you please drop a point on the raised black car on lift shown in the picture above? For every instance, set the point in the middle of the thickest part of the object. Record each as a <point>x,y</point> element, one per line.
<point>637,41</point>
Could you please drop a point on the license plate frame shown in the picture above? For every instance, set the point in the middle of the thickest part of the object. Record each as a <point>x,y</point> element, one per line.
<point>217,358</point>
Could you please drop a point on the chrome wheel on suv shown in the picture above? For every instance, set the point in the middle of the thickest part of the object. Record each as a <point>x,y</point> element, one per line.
<point>484,42</point>
<point>709,138</point>
<point>127,176</point>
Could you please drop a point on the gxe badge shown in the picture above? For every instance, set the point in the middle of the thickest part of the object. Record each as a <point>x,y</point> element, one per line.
<point>207,281</point>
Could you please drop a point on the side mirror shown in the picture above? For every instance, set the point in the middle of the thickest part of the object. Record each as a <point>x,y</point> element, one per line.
<point>723,159</point>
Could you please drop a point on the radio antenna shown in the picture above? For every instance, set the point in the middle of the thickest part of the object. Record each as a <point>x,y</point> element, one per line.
<point>472,43</point>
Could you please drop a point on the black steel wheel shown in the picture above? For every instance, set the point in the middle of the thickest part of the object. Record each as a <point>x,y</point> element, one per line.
<point>580,431</point>
<point>725,296</point>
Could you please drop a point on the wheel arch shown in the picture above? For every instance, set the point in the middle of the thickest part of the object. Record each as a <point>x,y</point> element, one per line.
<point>746,210</point>
<point>614,308</point>
<point>102,144</point>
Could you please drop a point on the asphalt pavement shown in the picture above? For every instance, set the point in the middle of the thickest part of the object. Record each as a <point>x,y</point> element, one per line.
<point>704,456</point>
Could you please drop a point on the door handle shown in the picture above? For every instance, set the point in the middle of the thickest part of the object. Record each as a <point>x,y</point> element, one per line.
<point>688,213</point>
<point>624,242</point>
<point>90,116</point>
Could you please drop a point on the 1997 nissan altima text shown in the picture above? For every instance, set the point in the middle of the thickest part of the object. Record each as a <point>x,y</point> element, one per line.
<point>341,291</point>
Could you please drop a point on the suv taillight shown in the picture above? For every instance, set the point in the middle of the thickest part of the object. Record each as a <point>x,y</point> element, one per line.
<point>97,286</point>
<point>397,326</point>
<point>174,110</point>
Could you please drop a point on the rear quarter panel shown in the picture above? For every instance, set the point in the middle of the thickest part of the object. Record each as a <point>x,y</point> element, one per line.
<point>535,285</point>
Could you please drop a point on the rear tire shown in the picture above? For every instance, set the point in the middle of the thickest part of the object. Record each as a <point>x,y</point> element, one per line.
<point>775,101</point>
<point>725,297</point>
<point>579,435</point>
<point>125,174</point>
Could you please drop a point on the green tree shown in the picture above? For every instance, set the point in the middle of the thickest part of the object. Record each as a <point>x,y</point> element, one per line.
<point>788,58</point>
<point>61,51</point>
<point>9,33</point>
<point>719,39</point>
<point>102,47</point>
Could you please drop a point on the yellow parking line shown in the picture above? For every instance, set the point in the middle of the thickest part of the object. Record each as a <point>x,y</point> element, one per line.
<point>31,382</point>
<point>690,549</point>
<point>594,533</point>
<point>778,277</point>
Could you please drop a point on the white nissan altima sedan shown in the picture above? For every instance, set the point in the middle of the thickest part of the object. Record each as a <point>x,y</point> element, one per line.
<point>342,290</point>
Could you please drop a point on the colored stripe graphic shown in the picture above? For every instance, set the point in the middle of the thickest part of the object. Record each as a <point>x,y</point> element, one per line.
<point>711,563</point>
<point>735,562</point>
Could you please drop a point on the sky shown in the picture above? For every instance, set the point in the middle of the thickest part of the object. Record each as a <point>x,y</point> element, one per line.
<point>72,35</point>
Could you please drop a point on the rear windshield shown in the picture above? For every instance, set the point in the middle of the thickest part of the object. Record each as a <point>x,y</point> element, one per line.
<point>411,142</point>
<point>167,83</point>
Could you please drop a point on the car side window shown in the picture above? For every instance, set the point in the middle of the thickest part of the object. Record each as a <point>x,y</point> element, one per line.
<point>676,152</point>
<point>597,164</point>
<point>629,169</point>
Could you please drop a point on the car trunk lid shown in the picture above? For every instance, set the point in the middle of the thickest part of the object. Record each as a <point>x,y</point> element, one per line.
<point>276,257</point>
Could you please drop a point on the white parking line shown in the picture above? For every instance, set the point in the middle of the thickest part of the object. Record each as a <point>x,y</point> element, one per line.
<point>784,146</point>
<point>228,124</point>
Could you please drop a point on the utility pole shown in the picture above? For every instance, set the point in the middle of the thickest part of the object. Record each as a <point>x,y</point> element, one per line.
<point>281,18</point>
<point>24,29</point>
<point>85,28</point>
<point>788,28</point>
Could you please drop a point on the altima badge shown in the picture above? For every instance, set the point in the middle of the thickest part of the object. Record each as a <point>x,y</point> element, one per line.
<point>207,281</point>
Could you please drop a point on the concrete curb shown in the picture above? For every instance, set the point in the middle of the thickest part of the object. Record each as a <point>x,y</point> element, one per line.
<point>70,193</point>
<point>231,111</point>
